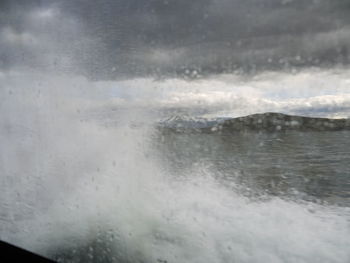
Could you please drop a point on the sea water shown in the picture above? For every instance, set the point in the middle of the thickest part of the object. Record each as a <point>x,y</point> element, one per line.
<point>86,176</point>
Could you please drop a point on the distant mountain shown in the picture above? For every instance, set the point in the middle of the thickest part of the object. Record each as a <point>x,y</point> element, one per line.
<point>187,123</point>
<point>267,122</point>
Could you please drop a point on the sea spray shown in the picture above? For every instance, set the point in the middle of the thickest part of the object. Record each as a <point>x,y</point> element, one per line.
<point>80,189</point>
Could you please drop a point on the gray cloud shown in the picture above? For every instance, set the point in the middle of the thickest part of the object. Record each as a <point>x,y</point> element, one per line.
<point>134,37</point>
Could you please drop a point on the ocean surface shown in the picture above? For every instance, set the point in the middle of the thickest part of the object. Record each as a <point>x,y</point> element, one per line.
<point>89,172</point>
<point>310,165</point>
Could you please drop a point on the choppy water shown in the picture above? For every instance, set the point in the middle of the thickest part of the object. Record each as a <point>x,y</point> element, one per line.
<point>305,165</point>
<point>243,197</point>
<point>83,181</point>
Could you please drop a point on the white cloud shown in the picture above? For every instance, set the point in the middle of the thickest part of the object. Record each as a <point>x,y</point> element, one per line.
<point>314,93</point>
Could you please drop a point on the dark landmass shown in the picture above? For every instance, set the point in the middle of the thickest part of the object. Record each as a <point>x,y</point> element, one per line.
<point>281,122</point>
<point>264,122</point>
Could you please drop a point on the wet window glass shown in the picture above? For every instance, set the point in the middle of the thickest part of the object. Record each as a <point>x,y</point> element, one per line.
<point>165,131</point>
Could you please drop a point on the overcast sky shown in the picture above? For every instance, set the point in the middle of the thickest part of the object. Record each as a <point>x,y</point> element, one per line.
<point>110,38</point>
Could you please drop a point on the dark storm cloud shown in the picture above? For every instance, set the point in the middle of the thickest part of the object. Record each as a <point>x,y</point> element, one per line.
<point>111,37</point>
<point>35,34</point>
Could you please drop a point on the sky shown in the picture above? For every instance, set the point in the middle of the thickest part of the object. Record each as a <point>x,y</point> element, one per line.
<point>108,39</point>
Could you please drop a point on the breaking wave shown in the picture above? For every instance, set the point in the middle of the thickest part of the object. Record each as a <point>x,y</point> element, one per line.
<point>82,181</point>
